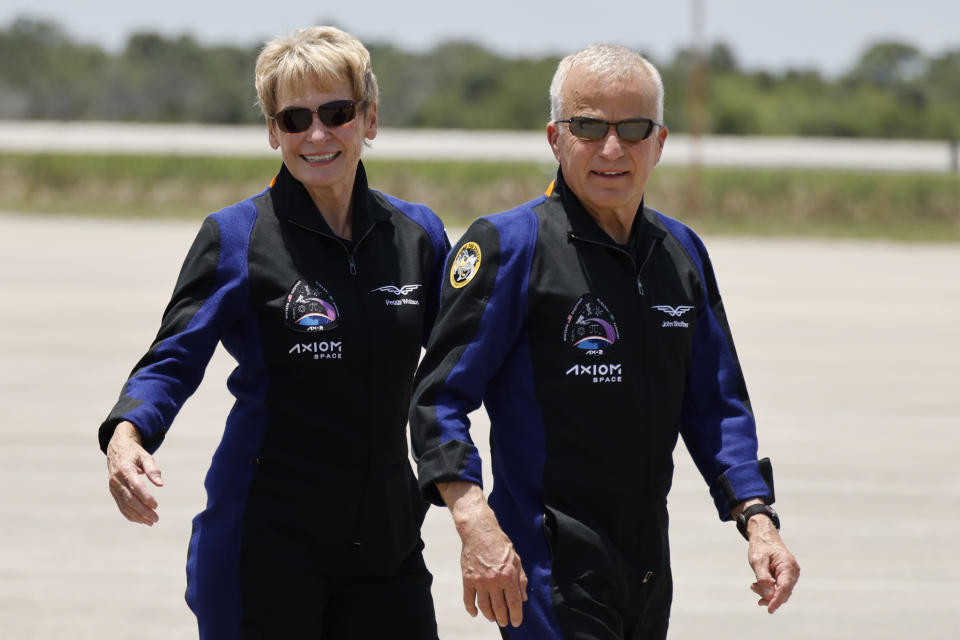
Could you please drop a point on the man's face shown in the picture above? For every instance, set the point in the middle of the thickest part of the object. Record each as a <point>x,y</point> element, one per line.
<point>607,175</point>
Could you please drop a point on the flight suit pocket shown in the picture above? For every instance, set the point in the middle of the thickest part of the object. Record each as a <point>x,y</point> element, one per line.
<point>588,585</point>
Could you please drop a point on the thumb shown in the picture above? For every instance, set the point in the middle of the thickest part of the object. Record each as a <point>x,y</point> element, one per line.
<point>763,589</point>
<point>151,469</point>
<point>764,586</point>
<point>765,582</point>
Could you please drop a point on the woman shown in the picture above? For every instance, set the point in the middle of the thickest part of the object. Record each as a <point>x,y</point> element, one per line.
<point>324,291</point>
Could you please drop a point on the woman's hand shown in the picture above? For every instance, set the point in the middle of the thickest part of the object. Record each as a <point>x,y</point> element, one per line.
<point>127,460</point>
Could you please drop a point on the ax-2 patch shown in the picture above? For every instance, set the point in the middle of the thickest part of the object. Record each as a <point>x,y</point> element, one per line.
<point>590,327</point>
<point>310,308</point>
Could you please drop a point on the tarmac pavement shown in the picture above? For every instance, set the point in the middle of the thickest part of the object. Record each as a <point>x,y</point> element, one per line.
<point>851,352</point>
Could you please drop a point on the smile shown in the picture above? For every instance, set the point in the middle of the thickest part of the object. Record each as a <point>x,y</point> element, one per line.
<point>326,157</point>
<point>610,174</point>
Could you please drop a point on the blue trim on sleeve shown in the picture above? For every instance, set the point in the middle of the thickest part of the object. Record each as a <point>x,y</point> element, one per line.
<point>213,558</point>
<point>423,216</point>
<point>498,361</point>
<point>519,457</point>
<point>180,360</point>
<point>690,241</point>
<point>503,317</point>
<point>718,429</point>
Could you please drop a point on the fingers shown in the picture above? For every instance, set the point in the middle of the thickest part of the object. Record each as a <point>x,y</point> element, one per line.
<point>469,599</point>
<point>496,607</point>
<point>771,598</point>
<point>787,575</point>
<point>138,488</point>
<point>493,578</point>
<point>503,606</point>
<point>761,591</point>
<point>777,573</point>
<point>500,604</point>
<point>764,587</point>
<point>523,585</point>
<point>126,462</point>
<point>759,558</point>
<point>514,604</point>
<point>134,502</point>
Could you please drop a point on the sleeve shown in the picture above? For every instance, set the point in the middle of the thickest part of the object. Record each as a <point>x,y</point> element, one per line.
<point>482,311</point>
<point>441,247</point>
<point>173,367</point>
<point>717,422</point>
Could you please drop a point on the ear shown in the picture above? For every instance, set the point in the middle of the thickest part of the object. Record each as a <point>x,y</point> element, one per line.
<point>553,137</point>
<point>371,132</point>
<point>273,134</point>
<point>661,139</point>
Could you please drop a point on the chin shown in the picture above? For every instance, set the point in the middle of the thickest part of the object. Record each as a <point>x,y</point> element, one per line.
<point>612,201</point>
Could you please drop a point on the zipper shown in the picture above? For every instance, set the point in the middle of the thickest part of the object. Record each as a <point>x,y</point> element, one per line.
<point>606,245</point>
<point>351,259</point>
<point>646,259</point>
<point>356,245</point>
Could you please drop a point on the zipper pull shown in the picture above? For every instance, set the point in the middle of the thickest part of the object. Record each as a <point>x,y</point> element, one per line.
<point>353,264</point>
<point>639,286</point>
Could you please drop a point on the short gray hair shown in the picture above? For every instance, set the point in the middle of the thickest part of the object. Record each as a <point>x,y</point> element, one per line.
<point>609,61</point>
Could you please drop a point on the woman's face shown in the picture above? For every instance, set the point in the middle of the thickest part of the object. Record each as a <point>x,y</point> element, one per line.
<point>323,158</point>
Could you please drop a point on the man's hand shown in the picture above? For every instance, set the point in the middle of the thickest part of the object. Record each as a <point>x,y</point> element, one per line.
<point>775,567</point>
<point>493,576</point>
<point>127,460</point>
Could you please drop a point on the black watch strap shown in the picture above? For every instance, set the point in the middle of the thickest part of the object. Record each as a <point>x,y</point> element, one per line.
<point>753,510</point>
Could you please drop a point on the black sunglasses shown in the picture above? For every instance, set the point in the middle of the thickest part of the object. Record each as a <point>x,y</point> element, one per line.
<point>633,130</point>
<point>331,114</point>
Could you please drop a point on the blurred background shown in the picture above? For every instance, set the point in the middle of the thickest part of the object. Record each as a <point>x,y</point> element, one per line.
<point>835,86</point>
<point>813,144</point>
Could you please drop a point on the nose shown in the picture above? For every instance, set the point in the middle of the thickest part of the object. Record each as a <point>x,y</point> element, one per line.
<point>317,130</point>
<point>611,147</point>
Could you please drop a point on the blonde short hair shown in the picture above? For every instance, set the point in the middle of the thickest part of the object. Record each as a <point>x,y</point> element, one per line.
<point>323,56</point>
<point>609,61</point>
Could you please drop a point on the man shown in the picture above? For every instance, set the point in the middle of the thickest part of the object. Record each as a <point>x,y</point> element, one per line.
<point>592,330</point>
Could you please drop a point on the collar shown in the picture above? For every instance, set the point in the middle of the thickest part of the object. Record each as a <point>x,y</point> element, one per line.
<point>582,224</point>
<point>293,203</point>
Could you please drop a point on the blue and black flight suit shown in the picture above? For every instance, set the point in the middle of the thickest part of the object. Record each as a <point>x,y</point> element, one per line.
<point>590,358</point>
<point>312,524</point>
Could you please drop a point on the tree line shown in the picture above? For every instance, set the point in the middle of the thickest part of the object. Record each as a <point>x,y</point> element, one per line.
<point>892,91</point>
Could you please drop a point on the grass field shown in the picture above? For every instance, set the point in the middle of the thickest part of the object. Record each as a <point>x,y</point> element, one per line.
<point>896,206</point>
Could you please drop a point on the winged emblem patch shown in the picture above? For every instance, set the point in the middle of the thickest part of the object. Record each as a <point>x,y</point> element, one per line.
<point>399,291</point>
<point>674,312</point>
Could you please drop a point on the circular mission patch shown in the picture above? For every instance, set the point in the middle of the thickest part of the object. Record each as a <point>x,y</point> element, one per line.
<point>465,265</point>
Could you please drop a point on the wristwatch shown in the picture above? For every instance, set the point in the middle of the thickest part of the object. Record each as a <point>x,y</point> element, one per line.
<point>753,510</point>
